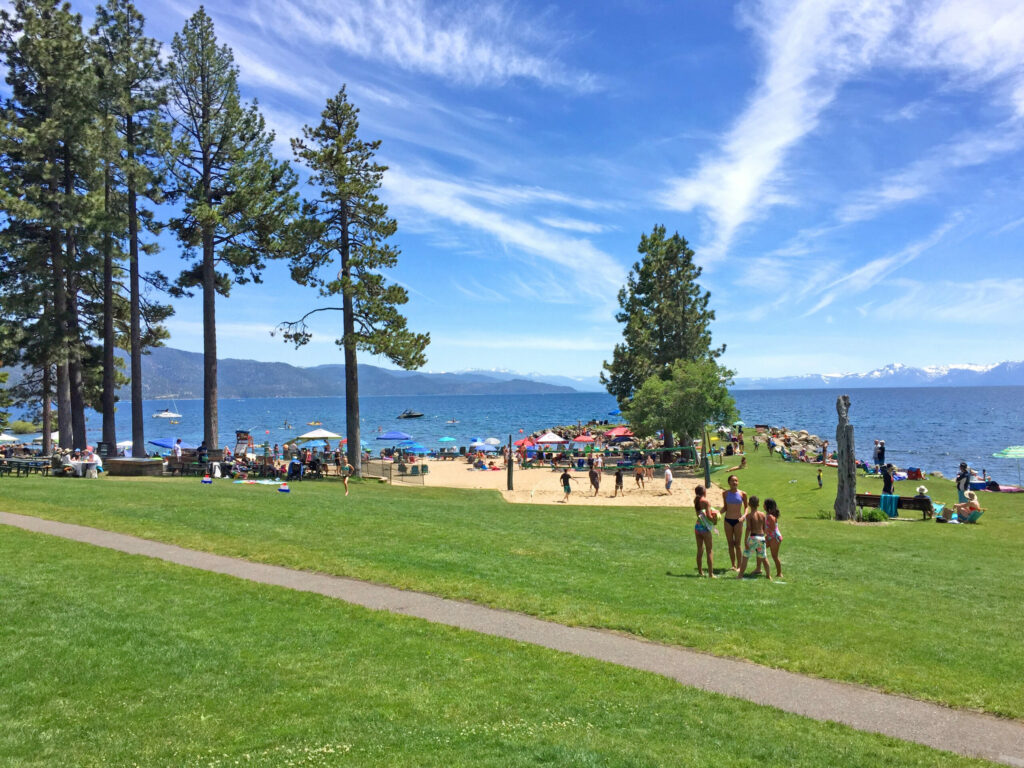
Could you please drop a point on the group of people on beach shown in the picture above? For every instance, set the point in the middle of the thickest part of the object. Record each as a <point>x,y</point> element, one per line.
<point>750,531</point>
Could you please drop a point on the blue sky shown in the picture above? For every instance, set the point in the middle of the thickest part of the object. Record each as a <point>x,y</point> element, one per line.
<point>847,172</point>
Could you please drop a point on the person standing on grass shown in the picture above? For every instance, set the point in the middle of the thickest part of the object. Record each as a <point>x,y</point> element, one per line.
<point>595,479</point>
<point>566,479</point>
<point>887,483</point>
<point>618,483</point>
<point>963,482</point>
<point>704,528</point>
<point>734,508</point>
<point>346,473</point>
<point>772,533</point>
<point>756,545</point>
<point>819,481</point>
<point>668,480</point>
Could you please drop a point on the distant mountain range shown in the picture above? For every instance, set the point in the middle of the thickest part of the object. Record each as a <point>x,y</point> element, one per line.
<point>173,373</point>
<point>899,375</point>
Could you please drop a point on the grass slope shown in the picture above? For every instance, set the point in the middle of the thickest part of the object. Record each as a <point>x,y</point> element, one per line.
<point>917,608</point>
<point>112,660</point>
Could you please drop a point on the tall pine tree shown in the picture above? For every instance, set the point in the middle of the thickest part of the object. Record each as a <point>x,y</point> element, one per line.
<point>665,317</point>
<point>49,148</point>
<point>133,94</point>
<point>235,197</point>
<point>347,227</point>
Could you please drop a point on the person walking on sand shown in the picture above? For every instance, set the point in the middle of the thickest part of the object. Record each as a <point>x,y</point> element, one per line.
<point>734,508</point>
<point>618,483</point>
<point>755,541</point>
<point>649,467</point>
<point>566,479</point>
<point>638,473</point>
<point>595,479</point>
<point>772,533</point>
<point>346,472</point>
<point>668,480</point>
<point>704,528</point>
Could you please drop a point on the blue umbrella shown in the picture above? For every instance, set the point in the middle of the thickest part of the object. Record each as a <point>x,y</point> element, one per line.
<point>616,412</point>
<point>394,435</point>
<point>168,442</point>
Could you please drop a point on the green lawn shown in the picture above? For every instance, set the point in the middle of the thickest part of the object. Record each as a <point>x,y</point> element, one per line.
<point>113,660</point>
<point>918,608</point>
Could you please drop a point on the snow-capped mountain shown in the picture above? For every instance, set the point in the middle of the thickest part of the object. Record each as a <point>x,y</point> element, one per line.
<point>899,375</point>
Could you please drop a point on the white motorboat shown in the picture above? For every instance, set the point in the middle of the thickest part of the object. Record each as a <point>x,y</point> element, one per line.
<point>166,413</point>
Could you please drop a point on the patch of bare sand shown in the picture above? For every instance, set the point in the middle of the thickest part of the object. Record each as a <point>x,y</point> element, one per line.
<point>540,485</point>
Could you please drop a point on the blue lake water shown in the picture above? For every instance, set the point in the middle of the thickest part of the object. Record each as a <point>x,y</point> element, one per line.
<point>934,428</point>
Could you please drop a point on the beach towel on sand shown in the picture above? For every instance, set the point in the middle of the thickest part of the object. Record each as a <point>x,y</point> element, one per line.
<point>890,504</point>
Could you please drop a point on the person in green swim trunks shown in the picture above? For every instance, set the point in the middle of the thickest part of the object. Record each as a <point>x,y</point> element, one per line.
<point>756,542</point>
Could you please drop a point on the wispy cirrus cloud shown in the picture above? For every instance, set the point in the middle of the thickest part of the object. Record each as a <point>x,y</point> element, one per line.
<point>574,225</point>
<point>489,45</point>
<point>925,175</point>
<point>812,48</point>
<point>593,271</point>
<point>875,271</point>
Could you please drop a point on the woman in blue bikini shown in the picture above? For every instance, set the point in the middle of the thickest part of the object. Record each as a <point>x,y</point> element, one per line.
<point>706,517</point>
<point>734,508</point>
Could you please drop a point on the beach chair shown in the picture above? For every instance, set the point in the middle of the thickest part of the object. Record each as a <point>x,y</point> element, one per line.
<point>414,470</point>
<point>974,516</point>
<point>424,469</point>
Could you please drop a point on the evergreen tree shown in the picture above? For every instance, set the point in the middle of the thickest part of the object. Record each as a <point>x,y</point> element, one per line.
<point>49,153</point>
<point>346,226</point>
<point>695,393</point>
<point>133,96</point>
<point>236,199</point>
<point>665,317</point>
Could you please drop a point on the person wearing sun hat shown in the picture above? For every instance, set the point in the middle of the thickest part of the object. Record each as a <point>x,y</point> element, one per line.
<point>922,493</point>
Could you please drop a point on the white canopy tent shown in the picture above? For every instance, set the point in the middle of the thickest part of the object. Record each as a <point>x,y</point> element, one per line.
<point>550,438</point>
<point>54,436</point>
<point>319,434</point>
<point>5,438</point>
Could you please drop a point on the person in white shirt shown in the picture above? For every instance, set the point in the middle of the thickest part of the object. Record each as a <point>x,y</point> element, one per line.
<point>668,480</point>
<point>177,449</point>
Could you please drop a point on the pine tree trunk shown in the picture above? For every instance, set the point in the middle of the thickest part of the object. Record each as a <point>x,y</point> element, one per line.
<point>73,332</point>
<point>60,304</point>
<point>352,426</point>
<point>47,414</point>
<point>135,319</point>
<point>109,417</point>
<point>210,433</point>
<point>846,485</point>
<point>75,375</point>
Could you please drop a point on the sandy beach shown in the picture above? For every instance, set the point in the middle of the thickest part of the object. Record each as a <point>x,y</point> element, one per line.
<point>540,485</point>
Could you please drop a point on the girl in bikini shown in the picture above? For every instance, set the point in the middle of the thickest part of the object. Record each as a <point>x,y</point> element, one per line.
<point>772,532</point>
<point>706,517</point>
<point>734,508</point>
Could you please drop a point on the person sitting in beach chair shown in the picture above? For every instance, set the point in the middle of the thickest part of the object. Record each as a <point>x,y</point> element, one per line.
<point>295,469</point>
<point>970,510</point>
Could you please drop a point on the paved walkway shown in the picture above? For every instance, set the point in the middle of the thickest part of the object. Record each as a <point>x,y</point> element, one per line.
<point>966,733</point>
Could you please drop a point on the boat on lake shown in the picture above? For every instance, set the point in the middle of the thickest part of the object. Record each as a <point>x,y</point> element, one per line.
<point>166,413</point>
<point>410,414</point>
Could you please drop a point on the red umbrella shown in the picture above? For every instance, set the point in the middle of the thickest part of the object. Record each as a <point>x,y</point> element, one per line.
<point>584,439</point>
<point>527,441</point>
<point>619,432</point>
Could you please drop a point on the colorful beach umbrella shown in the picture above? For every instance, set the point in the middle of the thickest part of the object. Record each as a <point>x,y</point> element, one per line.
<point>394,435</point>
<point>583,439</point>
<point>619,432</point>
<point>1012,452</point>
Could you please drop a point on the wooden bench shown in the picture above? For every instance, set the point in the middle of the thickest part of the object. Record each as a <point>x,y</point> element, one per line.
<point>874,501</point>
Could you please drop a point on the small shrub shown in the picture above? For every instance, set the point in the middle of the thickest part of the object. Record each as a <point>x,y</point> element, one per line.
<point>875,516</point>
<point>824,514</point>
